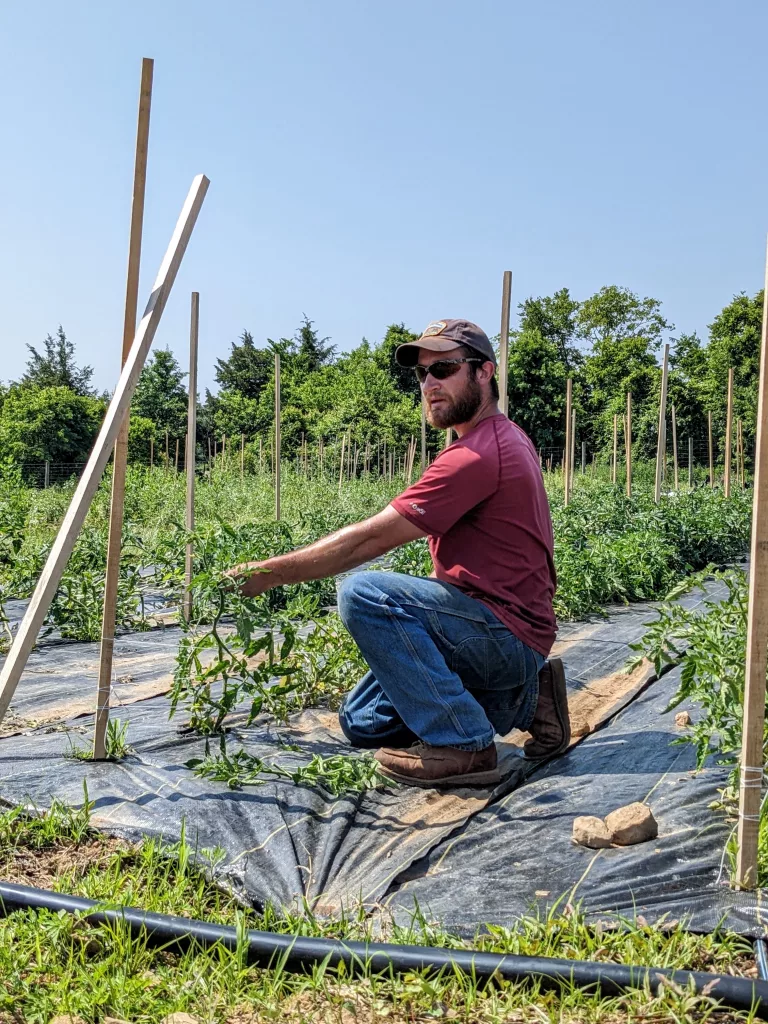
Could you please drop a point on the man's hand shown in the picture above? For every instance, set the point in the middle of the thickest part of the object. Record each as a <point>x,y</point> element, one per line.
<point>338,552</point>
<point>251,578</point>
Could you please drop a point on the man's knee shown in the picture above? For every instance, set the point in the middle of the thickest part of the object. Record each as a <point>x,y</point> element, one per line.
<point>353,592</point>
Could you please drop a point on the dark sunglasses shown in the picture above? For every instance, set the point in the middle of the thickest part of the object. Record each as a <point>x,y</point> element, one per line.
<point>442,368</point>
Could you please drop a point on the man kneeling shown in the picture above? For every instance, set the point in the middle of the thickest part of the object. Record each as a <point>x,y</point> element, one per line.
<point>461,656</point>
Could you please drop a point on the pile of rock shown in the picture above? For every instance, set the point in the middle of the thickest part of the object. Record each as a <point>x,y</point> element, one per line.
<point>625,826</point>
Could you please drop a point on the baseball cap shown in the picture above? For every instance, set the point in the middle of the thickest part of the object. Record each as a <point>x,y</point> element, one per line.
<point>443,335</point>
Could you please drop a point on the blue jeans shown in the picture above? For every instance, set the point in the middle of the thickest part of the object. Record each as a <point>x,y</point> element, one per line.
<point>443,668</point>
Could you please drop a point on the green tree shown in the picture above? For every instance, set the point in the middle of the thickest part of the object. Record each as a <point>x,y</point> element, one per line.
<point>734,340</point>
<point>312,351</point>
<point>623,333</point>
<point>161,396</point>
<point>403,377</point>
<point>247,370</point>
<point>554,319</point>
<point>49,423</point>
<point>536,387</point>
<point>56,366</point>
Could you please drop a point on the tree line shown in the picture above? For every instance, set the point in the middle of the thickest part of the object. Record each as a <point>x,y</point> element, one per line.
<point>609,343</point>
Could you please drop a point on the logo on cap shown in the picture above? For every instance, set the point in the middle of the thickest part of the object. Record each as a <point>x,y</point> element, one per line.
<point>436,327</point>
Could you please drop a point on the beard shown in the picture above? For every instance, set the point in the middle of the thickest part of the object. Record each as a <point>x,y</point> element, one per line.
<point>456,410</point>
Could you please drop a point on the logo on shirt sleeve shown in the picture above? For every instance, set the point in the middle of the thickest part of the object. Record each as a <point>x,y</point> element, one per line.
<point>418,508</point>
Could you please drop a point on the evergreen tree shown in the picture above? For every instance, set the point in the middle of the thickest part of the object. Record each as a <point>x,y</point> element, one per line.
<point>161,396</point>
<point>56,367</point>
<point>248,369</point>
<point>312,352</point>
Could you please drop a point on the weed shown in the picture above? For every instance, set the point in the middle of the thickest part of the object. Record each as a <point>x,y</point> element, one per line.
<point>338,774</point>
<point>116,743</point>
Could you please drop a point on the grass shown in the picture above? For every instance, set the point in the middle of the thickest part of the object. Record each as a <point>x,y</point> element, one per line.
<point>54,964</point>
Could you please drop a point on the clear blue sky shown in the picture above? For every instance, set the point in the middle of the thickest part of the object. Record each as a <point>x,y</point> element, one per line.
<point>377,162</point>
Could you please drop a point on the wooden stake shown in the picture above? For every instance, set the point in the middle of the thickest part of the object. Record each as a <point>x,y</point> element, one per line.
<point>728,440</point>
<point>740,432</point>
<point>567,450</point>
<point>194,323</point>
<point>573,446</point>
<point>277,436</point>
<point>151,453</point>
<point>661,443</point>
<point>711,452</point>
<point>176,461</point>
<point>628,443</point>
<point>89,481</point>
<point>752,757</point>
<point>341,460</point>
<point>674,446</point>
<point>506,296</point>
<point>583,456</point>
<point>448,436</point>
<point>423,438</point>
<point>120,463</point>
<point>690,462</point>
<point>615,448</point>
<point>242,456</point>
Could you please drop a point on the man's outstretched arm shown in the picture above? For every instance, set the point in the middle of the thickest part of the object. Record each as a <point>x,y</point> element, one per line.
<point>346,548</point>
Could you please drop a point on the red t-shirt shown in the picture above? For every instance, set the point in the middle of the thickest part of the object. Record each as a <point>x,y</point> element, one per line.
<point>483,504</point>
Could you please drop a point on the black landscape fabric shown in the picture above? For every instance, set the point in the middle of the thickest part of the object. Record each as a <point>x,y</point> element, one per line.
<point>466,857</point>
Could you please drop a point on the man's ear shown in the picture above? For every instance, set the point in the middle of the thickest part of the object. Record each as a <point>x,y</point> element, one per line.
<point>487,370</point>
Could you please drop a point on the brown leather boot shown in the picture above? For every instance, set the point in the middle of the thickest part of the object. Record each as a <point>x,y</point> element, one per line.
<point>551,728</point>
<point>422,765</point>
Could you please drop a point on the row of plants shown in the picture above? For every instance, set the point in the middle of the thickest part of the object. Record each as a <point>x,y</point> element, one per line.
<point>709,642</point>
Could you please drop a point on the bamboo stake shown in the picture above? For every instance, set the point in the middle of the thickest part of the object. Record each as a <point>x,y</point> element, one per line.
<point>661,443</point>
<point>506,296</point>
<point>674,446</point>
<point>341,460</point>
<point>277,436</point>
<point>728,439</point>
<point>711,452</point>
<point>628,443</point>
<point>120,462</point>
<point>73,521</point>
<point>194,322</point>
<point>423,438</point>
<point>615,447</point>
<point>567,450</point>
<point>752,757</point>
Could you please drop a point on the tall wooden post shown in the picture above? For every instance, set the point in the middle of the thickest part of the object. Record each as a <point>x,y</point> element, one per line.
<point>583,457</point>
<point>628,443</point>
<point>728,439</point>
<point>567,451</point>
<point>711,452</point>
<point>176,458</point>
<point>423,438</point>
<point>661,444</point>
<point>674,445</point>
<point>242,457</point>
<point>573,445</point>
<point>740,460</point>
<point>120,463</point>
<point>615,448</point>
<point>277,436</point>
<point>690,462</point>
<point>506,296</point>
<point>341,460</point>
<point>448,436</point>
<point>750,792</point>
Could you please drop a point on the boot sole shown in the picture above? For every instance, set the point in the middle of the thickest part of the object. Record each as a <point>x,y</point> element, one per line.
<point>468,779</point>
<point>561,708</point>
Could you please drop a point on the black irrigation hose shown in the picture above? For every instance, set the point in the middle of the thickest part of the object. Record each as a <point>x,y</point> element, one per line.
<point>296,953</point>
<point>761,958</point>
